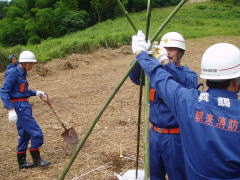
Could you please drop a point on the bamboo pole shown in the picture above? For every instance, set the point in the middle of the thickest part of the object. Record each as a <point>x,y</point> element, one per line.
<point>139,119</point>
<point>142,77</point>
<point>147,106</point>
<point>170,16</point>
<point>92,125</point>
<point>146,130</point>
<point>124,11</point>
<point>111,96</point>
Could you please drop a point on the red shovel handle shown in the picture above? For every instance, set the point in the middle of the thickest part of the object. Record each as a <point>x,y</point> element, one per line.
<point>47,101</point>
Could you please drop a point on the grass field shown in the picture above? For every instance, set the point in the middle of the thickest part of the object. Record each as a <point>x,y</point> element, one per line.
<point>193,21</point>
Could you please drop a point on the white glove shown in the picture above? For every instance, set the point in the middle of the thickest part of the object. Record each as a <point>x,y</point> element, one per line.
<point>12,116</point>
<point>160,53</point>
<point>40,93</point>
<point>139,43</point>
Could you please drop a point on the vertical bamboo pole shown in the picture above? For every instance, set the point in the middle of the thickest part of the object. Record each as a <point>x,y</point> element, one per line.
<point>139,119</point>
<point>147,106</point>
<point>140,90</point>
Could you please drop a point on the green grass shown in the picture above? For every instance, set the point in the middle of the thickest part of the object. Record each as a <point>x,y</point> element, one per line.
<point>192,21</point>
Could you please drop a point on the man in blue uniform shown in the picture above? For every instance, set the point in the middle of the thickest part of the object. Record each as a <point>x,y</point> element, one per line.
<point>209,121</point>
<point>13,62</point>
<point>14,95</point>
<point>165,143</point>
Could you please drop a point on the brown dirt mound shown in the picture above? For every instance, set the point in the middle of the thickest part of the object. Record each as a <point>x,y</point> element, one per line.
<point>78,85</point>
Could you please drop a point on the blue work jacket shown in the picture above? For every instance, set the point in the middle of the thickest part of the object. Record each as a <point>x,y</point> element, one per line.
<point>11,65</point>
<point>15,86</point>
<point>160,114</point>
<point>209,124</point>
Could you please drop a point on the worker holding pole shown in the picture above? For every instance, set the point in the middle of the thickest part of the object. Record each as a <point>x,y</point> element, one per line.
<point>14,94</point>
<point>208,120</point>
<point>166,155</point>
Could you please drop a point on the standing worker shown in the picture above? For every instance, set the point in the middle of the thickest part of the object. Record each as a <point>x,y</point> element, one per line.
<point>165,149</point>
<point>14,95</point>
<point>209,120</point>
<point>13,62</point>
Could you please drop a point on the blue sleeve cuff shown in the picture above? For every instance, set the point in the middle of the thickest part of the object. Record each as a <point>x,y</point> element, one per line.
<point>147,62</point>
<point>32,93</point>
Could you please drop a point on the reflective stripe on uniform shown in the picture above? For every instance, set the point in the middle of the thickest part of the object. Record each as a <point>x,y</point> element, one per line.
<point>19,100</point>
<point>165,131</point>
<point>21,88</point>
<point>152,93</point>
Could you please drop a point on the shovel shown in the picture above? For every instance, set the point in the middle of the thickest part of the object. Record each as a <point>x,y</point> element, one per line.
<point>69,135</point>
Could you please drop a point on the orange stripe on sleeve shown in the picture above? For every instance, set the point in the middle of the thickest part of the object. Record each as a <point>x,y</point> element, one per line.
<point>22,85</point>
<point>152,94</point>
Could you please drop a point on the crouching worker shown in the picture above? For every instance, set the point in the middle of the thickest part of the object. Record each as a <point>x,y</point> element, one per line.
<point>13,62</point>
<point>14,95</point>
<point>209,120</point>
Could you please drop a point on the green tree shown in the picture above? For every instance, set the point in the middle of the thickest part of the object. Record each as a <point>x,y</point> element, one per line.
<point>96,9</point>
<point>84,5</point>
<point>31,28</point>
<point>75,20</point>
<point>40,4</point>
<point>71,4</point>
<point>45,19</point>
<point>102,9</point>
<point>163,3</point>
<point>60,12</point>
<point>21,4</point>
<point>3,8</point>
<point>139,5</point>
<point>12,31</point>
<point>14,11</point>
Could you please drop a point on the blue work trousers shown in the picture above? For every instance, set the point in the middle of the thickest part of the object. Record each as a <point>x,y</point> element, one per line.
<point>28,128</point>
<point>166,156</point>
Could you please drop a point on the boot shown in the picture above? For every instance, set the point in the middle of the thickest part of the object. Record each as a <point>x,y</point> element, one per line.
<point>37,160</point>
<point>23,164</point>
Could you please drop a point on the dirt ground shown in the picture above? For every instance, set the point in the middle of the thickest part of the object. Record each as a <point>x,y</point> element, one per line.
<point>78,85</point>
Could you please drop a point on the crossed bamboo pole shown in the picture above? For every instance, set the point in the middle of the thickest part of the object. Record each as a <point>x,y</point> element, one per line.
<point>140,87</point>
<point>111,96</point>
<point>147,105</point>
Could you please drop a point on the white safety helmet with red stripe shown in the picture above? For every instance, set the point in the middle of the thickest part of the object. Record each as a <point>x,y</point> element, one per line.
<point>27,56</point>
<point>221,62</point>
<point>173,39</point>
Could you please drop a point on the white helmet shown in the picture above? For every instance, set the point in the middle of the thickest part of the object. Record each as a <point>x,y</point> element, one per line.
<point>220,62</point>
<point>27,56</point>
<point>173,39</point>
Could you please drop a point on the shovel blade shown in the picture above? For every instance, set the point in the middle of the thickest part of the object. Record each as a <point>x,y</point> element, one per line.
<point>70,136</point>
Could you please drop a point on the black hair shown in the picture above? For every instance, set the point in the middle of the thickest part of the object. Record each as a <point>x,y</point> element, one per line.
<point>219,84</point>
<point>180,54</point>
<point>12,56</point>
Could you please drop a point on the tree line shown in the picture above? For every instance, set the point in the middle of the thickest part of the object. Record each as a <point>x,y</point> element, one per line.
<point>31,21</point>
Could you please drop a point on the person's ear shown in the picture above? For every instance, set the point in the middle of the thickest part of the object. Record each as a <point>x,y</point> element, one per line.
<point>235,85</point>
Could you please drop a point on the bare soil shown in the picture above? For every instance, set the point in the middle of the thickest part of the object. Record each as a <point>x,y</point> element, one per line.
<point>78,86</point>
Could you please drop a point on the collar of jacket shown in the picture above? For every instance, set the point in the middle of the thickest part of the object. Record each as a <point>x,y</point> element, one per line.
<point>222,93</point>
<point>21,71</point>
